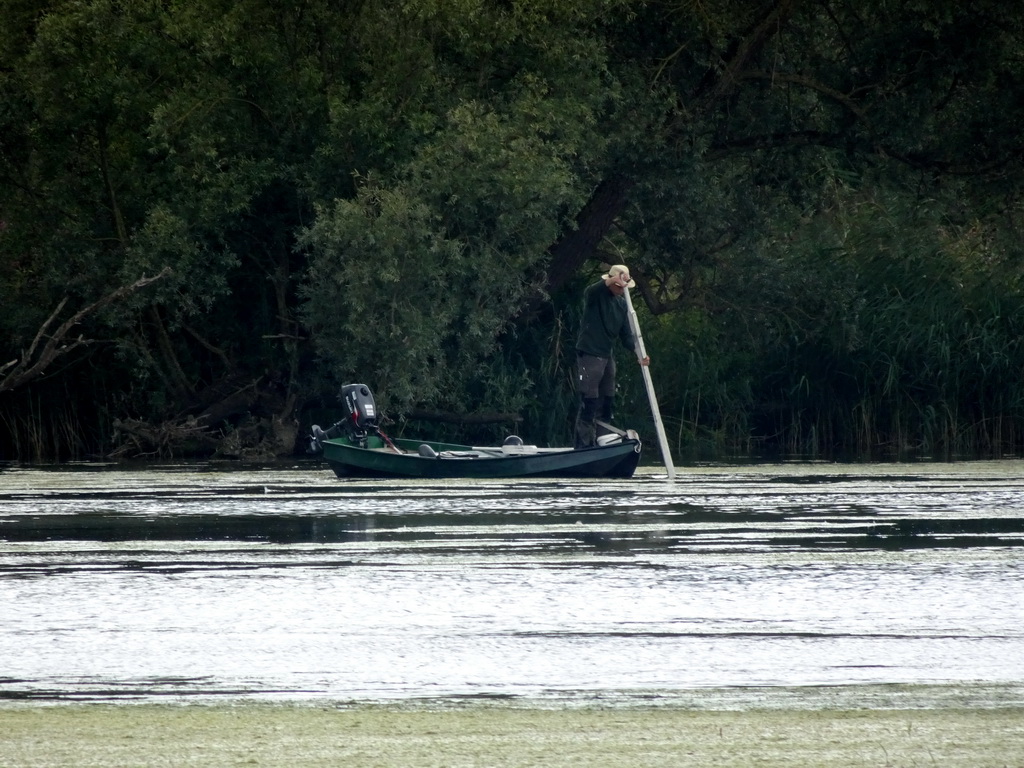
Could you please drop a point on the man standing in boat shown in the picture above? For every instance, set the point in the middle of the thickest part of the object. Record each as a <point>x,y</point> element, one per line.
<point>605,317</point>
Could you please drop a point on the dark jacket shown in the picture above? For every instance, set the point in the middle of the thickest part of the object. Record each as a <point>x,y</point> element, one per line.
<point>605,316</point>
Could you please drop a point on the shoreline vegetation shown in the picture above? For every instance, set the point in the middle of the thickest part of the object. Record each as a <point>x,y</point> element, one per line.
<point>311,735</point>
<point>822,205</point>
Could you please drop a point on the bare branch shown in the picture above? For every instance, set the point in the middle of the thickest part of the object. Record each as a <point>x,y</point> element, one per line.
<point>34,361</point>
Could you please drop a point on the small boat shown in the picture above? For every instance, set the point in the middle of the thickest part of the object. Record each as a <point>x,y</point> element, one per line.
<point>356,447</point>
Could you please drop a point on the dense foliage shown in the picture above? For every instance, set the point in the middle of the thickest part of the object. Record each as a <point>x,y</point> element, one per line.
<point>212,214</point>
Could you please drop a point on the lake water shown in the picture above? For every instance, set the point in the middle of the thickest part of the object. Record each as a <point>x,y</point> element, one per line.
<point>731,586</point>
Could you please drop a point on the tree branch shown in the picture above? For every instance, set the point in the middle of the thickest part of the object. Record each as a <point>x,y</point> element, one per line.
<point>747,47</point>
<point>42,354</point>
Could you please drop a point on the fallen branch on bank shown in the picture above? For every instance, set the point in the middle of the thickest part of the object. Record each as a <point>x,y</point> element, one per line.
<point>142,439</point>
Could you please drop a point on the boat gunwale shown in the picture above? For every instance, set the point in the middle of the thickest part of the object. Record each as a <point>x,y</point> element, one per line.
<point>613,460</point>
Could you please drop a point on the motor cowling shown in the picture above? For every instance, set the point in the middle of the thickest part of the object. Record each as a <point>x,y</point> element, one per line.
<point>360,410</point>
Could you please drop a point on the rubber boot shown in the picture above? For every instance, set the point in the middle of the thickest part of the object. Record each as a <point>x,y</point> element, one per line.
<point>606,409</point>
<point>586,429</point>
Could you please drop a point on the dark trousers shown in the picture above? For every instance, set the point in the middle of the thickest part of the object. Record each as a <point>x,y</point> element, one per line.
<point>596,387</point>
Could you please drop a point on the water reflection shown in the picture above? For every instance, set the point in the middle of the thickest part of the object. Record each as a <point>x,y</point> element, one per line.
<point>286,582</point>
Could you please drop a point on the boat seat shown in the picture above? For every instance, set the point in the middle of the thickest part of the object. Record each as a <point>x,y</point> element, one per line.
<point>427,452</point>
<point>513,445</point>
<point>516,450</point>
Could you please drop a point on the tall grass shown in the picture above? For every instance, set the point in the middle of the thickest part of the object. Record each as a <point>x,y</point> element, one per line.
<point>37,428</point>
<point>886,332</point>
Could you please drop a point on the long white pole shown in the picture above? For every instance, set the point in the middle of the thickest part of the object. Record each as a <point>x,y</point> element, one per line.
<point>641,353</point>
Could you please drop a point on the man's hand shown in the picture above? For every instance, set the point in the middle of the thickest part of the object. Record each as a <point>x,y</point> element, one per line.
<point>645,360</point>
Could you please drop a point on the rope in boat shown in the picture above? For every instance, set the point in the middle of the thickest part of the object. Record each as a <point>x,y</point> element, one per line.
<point>387,440</point>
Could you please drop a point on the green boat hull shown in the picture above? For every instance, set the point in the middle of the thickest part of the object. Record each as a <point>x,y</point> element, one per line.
<point>410,459</point>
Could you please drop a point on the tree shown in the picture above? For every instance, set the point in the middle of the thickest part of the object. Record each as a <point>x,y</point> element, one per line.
<point>305,172</point>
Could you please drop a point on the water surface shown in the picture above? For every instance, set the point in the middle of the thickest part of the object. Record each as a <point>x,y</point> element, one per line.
<point>213,581</point>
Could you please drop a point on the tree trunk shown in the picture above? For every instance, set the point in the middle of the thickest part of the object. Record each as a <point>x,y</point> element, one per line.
<point>573,249</point>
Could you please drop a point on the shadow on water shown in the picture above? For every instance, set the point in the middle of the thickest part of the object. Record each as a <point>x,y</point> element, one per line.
<point>112,527</point>
<point>606,531</point>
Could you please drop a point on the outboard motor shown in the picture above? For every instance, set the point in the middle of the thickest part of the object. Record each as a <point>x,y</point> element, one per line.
<point>360,418</point>
<point>360,410</point>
